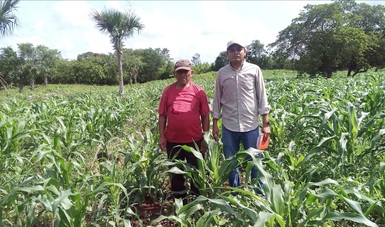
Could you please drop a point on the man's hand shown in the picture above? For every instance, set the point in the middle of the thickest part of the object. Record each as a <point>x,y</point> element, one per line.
<point>203,146</point>
<point>215,132</point>
<point>266,131</point>
<point>162,143</point>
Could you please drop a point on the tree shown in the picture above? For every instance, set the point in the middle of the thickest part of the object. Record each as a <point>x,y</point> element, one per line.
<point>154,64</point>
<point>132,63</point>
<point>62,71</point>
<point>29,69</point>
<point>8,20</point>
<point>168,66</point>
<point>341,35</point>
<point>87,55</point>
<point>255,50</point>
<point>257,54</point>
<point>46,59</point>
<point>376,54</point>
<point>8,62</point>
<point>119,26</point>
<point>3,83</point>
<point>196,59</point>
<point>221,61</point>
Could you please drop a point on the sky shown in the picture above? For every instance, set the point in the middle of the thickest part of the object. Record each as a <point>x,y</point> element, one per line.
<point>185,28</point>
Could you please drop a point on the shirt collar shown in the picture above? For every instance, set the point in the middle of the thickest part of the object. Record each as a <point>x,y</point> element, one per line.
<point>239,67</point>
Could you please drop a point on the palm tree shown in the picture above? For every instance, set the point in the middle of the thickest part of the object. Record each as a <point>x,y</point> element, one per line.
<point>119,26</point>
<point>8,21</point>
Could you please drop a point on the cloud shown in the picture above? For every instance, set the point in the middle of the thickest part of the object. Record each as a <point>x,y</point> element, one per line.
<point>75,13</point>
<point>183,27</point>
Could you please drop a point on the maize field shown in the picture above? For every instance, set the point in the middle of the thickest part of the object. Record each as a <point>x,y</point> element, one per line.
<point>73,156</point>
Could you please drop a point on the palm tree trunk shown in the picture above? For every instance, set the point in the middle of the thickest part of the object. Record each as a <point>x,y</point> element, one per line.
<point>120,61</point>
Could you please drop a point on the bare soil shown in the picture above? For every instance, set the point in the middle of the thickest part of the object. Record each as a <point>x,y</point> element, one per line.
<point>150,210</point>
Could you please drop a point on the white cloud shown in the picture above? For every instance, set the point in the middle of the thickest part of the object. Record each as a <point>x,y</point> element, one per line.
<point>183,27</point>
<point>76,13</point>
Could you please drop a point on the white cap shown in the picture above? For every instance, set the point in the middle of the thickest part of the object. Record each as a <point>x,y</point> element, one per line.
<point>234,41</point>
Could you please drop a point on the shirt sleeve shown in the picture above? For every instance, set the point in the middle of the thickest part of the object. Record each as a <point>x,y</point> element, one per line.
<point>204,108</point>
<point>162,109</point>
<point>263,104</point>
<point>217,99</point>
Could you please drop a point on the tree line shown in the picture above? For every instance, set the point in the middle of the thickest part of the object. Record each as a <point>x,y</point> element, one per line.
<point>323,39</point>
<point>30,65</point>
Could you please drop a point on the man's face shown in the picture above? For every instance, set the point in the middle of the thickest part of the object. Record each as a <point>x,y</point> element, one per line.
<point>183,76</point>
<point>236,53</point>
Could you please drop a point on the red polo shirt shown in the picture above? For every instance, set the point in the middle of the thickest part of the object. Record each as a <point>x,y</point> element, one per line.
<point>183,109</point>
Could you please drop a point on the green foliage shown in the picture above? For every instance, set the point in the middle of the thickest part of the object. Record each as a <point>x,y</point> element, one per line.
<point>118,26</point>
<point>28,64</point>
<point>257,54</point>
<point>8,20</point>
<point>353,38</point>
<point>221,61</point>
<point>202,68</point>
<point>155,62</point>
<point>80,155</point>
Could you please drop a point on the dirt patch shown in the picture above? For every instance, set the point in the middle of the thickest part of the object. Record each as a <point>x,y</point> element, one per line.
<point>150,210</point>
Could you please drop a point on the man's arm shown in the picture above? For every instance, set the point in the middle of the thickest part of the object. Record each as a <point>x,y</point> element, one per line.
<point>265,119</point>
<point>217,107</point>
<point>215,131</point>
<point>162,128</point>
<point>205,123</point>
<point>205,119</point>
<point>265,125</point>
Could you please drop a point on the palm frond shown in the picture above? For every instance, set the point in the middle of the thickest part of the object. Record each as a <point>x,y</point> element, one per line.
<point>8,21</point>
<point>118,25</point>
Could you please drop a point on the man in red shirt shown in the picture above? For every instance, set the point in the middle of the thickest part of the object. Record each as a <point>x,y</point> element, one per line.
<point>183,119</point>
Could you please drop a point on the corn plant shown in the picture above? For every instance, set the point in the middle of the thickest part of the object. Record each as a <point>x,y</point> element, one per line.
<point>80,156</point>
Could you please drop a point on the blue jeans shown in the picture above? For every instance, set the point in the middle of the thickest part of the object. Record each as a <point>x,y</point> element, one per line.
<point>231,145</point>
